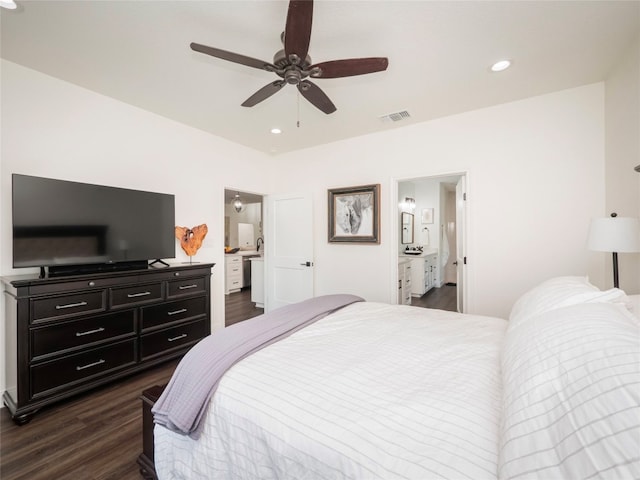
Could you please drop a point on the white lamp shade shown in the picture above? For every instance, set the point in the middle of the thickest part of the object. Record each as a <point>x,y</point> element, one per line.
<point>614,234</point>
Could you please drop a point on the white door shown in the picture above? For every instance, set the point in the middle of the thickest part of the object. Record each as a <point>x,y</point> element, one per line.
<point>460,240</point>
<point>289,249</point>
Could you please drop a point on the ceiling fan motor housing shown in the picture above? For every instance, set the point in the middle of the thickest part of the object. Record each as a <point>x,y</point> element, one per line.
<point>292,76</point>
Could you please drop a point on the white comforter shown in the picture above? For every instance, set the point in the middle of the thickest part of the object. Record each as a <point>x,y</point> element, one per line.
<point>372,391</point>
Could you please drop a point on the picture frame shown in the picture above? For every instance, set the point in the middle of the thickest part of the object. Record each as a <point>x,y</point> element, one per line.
<point>354,214</point>
<point>427,215</point>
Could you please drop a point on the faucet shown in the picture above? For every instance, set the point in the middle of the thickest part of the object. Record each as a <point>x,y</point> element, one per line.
<point>259,241</point>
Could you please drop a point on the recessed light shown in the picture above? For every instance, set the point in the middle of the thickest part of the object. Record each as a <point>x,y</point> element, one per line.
<point>501,65</point>
<point>10,4</point>
<point>276,131</point>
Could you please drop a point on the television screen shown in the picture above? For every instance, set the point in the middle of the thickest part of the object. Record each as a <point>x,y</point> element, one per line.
<point>57,222</point>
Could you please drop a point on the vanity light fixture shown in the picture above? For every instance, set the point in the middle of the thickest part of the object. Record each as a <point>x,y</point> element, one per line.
<point>408,204</point>
<point>8,4</point>
<point>501,65</point>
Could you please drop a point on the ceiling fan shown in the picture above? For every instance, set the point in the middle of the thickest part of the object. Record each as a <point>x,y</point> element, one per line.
<point>293,64</point>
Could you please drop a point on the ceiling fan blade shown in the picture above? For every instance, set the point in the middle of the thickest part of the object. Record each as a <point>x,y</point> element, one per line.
<point>264,93</point>
<point>316,96</point>
<point>349,67</point>
<point>297,32</point>
<point>233,57</point>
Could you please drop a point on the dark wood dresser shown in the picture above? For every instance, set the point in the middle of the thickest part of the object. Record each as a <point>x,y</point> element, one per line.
<point>66,335</point>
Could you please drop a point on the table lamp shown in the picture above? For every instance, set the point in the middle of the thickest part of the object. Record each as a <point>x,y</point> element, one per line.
<point>614,234</point>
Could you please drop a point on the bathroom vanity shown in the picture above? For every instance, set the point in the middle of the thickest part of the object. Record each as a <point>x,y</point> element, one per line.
<point>424,271</point>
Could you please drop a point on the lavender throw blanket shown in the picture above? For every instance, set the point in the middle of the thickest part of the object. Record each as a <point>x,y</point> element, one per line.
<point>183,404</point>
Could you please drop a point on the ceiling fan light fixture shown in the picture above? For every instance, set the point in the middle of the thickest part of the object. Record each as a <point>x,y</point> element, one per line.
<point>500,65</point>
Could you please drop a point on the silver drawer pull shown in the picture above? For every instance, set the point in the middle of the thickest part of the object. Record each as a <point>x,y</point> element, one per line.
<point>175,312</point>
<point>173,339</point>
<point>185,287</point>
<point>141,294</point>
<point>89,332</point>
<point>94,364</point>
<point>71,305</point>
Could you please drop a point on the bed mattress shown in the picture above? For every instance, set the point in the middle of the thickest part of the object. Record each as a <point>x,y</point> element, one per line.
<point>371,391</point>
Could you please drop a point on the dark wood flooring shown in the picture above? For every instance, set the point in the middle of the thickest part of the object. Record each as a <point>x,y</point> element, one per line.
<point>238,306</point>
<point>443,298</point>
<point>95,436</point>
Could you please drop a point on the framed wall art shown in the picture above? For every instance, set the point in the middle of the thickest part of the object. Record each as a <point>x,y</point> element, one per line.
<point>427,215</point>
<point>354,214</point>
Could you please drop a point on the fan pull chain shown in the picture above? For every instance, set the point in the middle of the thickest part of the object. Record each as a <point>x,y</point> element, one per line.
<point>298,122</point>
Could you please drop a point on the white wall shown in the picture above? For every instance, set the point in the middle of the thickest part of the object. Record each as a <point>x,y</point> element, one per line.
<point>54,129</point>
<point>535,170</point>
<point>622,90</point>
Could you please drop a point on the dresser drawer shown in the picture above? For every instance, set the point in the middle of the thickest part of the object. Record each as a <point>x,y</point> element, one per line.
<point>78,333</point>
<point>171,312</point>
<point>81,366</point>
<point>172,338</point>
<point>65,306</point>
<point>136,295</point>
<point>186,286</point>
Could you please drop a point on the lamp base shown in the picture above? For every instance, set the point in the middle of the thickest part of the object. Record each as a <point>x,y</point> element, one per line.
<point>616,283</point>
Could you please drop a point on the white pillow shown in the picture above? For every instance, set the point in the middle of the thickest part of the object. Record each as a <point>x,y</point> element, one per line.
<point>635,307</point>
<point>561,292</point>
<point>571,395</point>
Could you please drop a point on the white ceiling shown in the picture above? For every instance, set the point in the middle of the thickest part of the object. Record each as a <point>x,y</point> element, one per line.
<point>439,53</point>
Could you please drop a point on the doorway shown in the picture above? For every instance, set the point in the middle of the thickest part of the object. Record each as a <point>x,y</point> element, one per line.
<point>244,249</point>
<point>436,251</point>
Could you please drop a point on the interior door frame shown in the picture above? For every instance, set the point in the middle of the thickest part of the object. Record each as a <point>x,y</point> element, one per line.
<point>223,267</point>
<point>395,228</point>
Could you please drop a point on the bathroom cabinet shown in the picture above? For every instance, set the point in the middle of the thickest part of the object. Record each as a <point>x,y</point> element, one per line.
<point>404,281</point>
<point>424,274</point>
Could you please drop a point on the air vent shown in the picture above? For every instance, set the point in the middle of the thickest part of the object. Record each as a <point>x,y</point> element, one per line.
<point>395,117</point>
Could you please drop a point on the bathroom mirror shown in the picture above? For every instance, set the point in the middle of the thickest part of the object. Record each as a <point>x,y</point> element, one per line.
<point>407,227</point>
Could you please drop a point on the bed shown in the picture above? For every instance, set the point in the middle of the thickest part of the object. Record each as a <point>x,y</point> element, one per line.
<point>377,391</point>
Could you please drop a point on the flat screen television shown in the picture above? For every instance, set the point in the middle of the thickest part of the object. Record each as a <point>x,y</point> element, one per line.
<point>75,228</point>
